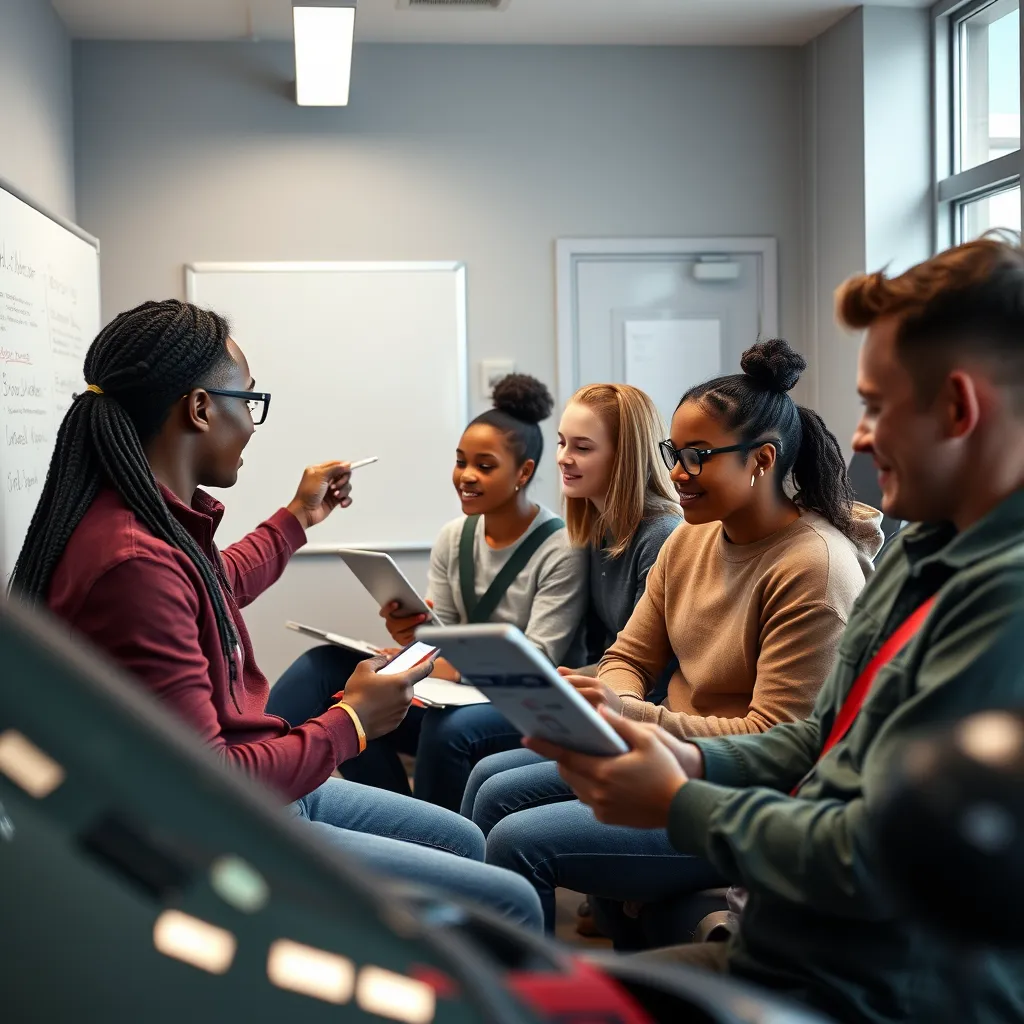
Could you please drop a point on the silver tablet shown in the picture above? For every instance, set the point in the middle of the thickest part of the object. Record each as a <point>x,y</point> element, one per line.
<point>386,583</point>
<point>524,686</point>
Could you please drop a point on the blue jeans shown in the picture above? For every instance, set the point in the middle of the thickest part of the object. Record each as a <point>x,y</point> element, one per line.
<point>446,742</point>
<point>406,840</point>
<point>537,828</point>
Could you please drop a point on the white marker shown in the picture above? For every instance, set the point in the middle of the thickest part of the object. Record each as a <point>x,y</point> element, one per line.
<point>363,462</point>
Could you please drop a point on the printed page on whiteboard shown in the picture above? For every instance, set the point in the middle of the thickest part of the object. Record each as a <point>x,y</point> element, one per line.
<point>666,357</point>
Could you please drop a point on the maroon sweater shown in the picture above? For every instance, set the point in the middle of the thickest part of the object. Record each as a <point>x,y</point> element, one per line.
<point>142,601</point>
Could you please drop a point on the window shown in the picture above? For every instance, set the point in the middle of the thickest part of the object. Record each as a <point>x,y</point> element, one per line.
<point>994,210</point>
<point>978,91</point>
<point>988,55</point>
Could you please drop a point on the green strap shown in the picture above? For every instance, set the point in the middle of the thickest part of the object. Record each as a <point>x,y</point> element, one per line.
<point>481,610</point>
<point>467,566</point>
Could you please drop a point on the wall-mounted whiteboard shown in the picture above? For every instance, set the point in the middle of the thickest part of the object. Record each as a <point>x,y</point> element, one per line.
<point>360,359</point>
<point>49,314</point>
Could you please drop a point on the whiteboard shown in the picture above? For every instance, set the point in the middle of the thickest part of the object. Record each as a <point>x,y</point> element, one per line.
<point>666,358</point>
<point>49,314</point>
<point>360,359</point>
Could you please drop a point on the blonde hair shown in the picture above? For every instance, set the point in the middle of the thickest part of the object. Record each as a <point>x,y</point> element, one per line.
<point>639,485</point>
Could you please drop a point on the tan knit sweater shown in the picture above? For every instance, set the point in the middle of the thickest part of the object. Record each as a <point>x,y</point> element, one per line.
<point>754,626</point>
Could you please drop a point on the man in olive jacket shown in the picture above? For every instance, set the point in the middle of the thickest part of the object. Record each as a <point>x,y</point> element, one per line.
<point>785,813</point>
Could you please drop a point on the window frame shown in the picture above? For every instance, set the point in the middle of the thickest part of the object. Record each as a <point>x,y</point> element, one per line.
<point>953,188</point>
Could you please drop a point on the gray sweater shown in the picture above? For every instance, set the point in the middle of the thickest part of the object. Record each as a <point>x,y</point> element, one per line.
<point>617,584</point>
<point>547,600</point>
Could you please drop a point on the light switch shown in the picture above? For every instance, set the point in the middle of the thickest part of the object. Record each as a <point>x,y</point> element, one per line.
<point>491,371</point>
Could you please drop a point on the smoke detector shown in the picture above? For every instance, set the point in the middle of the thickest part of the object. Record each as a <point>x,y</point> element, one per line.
<point>465,5</point>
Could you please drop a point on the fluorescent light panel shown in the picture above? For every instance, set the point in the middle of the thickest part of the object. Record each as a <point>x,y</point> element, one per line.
<point>323,55</point>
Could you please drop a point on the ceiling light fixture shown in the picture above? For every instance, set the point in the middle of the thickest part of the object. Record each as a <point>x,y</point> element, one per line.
<point>323,52</point>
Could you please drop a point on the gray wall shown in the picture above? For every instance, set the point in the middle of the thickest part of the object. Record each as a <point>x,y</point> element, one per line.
<point>897,137</point>
<point>835,209</point>
<point>867,116</point>
<point>196,152</point>
<point>36,114</point>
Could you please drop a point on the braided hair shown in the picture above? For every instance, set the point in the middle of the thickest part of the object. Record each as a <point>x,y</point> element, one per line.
<point>140,364</point>
<point>755,404</point>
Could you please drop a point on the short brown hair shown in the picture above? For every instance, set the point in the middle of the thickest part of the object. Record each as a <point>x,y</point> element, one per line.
<point>639,485</point>
<point>966,300</point>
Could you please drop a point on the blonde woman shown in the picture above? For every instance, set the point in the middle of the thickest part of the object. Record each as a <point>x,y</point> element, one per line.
<point>619,507</point>
<point>619,501</point>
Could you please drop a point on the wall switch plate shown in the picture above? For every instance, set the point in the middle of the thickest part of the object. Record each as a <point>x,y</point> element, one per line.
<point>491,371</point>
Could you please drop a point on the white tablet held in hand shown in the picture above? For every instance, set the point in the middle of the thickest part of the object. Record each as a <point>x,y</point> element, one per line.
<point>523,685</point>
<point>386,583</point>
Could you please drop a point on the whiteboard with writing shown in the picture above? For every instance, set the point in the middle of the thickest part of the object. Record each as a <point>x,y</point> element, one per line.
<point>49,314</point>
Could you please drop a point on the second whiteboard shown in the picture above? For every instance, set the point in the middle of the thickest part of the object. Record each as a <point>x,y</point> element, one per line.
<point>361,359</point>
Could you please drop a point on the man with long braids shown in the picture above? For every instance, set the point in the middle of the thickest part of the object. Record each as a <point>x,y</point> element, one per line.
<point>121,548</point>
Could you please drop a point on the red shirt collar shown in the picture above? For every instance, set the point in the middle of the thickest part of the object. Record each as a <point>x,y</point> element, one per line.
<point>201,519</point>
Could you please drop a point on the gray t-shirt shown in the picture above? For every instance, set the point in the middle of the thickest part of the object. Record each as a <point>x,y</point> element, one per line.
<point>547,600</point>
<point>617,584</point>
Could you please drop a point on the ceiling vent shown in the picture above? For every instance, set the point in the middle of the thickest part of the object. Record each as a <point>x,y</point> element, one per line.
<point>465,5</point>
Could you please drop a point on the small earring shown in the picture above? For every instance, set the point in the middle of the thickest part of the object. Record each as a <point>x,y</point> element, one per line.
<point>762,472</point>
<point>753,477</point>
<point>517,487</point>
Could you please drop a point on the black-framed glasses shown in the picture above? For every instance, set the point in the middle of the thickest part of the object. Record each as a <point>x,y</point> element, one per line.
<point>259,401</point>
<point>692,459</point>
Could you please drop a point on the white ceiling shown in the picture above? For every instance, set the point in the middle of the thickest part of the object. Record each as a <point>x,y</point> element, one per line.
<point>635,22</point>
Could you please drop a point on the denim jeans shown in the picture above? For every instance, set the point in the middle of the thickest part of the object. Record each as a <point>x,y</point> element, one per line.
<point>447,742</point>
<point>537,828</point>
<point>409,841</point>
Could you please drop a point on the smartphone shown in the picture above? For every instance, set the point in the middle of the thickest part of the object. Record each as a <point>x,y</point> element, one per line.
<point>409,657</point>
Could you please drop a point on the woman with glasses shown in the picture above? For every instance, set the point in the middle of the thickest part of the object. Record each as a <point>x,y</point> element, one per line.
<point>750,598</point>
<point>121,547</point>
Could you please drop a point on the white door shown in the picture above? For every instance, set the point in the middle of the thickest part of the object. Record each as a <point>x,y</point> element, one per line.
<point>661,314</point>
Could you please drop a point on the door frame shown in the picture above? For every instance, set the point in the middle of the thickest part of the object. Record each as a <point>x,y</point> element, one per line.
<point>570,252</point>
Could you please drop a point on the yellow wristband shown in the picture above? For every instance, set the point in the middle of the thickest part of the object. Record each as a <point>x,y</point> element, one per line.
<point>351,711</point>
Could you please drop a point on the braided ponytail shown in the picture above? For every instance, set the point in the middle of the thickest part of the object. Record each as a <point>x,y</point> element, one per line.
<point>138,367</point>
<point>819,472</point>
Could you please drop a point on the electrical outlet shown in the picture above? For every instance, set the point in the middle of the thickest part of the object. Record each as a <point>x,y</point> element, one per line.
<point>491,371</point>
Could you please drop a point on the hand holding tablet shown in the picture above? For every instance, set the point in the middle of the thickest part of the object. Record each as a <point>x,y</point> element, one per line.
<point>386,583</point>
<point>523,685</point>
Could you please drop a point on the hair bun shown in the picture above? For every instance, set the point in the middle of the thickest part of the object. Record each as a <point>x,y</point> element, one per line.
<point>773,365</point>
<point>523,397</point>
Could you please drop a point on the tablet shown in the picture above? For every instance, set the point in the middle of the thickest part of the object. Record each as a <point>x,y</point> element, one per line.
<point>523,685</point>
<point>385,582</point>
<point>359,647</point>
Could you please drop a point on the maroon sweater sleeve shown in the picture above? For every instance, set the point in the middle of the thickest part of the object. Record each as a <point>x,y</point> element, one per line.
<point>258,559</point>
<point>144,612</point>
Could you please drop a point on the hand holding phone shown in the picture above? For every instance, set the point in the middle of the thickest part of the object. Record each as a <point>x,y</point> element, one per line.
<point>380,697</point>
